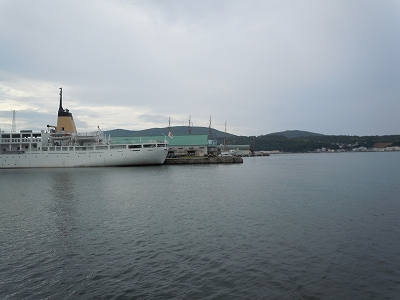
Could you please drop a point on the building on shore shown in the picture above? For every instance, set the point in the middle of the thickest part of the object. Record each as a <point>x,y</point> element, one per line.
<point>183,145</point>
<point>188,145</point>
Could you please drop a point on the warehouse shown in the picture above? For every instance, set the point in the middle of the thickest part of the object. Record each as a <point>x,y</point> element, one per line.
<point>187,145</point>
<point>184,145</point>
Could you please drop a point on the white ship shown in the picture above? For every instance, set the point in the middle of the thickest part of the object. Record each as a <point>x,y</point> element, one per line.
<point>63,146</point>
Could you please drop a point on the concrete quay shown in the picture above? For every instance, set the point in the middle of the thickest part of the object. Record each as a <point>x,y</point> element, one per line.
<point>203,160</point>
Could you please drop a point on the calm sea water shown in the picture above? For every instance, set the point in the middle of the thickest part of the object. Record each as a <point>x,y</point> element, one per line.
<point>301,226</point>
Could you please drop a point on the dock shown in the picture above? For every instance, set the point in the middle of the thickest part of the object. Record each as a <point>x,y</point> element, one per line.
<point>203,160</point>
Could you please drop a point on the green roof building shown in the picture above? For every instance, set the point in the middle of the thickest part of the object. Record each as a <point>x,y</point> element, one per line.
<point>182,145</point>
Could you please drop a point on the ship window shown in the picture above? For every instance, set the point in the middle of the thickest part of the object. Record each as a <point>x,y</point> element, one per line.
<point>101,147</point>
<point>118,147</point>
<point>134,146</point>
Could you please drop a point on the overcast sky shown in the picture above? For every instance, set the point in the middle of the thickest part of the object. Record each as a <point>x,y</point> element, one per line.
<point>331,67</point>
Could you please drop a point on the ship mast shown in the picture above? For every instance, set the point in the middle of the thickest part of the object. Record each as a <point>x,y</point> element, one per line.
<point>169,128</point>
<point>225,137</point>
<point>209,130</point>
<point>13,125</point>
<point>189,127</point>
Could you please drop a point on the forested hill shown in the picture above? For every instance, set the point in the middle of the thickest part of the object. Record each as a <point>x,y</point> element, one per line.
<point>183,130</point>
<point>285,141</point>
<point>295,133</point>
<point>311,143</point>
<point>176,130</point>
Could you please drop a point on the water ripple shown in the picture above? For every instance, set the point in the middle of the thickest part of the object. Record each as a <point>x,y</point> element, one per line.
<point>282,227</point>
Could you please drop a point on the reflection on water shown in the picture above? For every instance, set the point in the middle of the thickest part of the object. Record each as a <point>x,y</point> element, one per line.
<point>63,186</point>
<point>64,207</point>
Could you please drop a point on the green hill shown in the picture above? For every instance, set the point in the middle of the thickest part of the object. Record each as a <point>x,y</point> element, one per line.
<point>295,133</point>
<point>176,130</point>
<point>183,130</point>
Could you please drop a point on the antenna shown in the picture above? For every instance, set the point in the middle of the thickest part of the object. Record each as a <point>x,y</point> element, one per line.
<point>14,126</point>
<point>189,128</point>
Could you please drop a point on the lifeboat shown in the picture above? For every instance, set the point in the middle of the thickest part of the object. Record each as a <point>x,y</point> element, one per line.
<point>60,136</point>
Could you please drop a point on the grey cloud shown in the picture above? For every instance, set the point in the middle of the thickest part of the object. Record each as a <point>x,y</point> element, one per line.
<point>263,66</point>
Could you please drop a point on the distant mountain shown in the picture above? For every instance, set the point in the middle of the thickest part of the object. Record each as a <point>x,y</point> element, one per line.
<point>176,130</point>
<point>295,134</point>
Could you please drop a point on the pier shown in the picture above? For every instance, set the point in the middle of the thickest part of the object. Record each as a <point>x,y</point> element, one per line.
<point>203,160</point>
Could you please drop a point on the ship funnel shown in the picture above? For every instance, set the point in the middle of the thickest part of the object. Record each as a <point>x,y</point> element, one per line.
<point>60,108</point>
<point>65,121</point>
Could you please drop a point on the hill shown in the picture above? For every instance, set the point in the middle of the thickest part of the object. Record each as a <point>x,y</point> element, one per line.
<point>176,130</point>
<point>183,130</point>
<point>295,133</point>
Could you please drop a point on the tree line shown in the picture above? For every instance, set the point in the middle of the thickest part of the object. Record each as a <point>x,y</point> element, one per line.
<point>271,142</point>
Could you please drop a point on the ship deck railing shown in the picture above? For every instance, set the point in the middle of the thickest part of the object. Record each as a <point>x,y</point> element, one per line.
<point>24,140</point>
<point>103,147</point>
<point>20,148</point>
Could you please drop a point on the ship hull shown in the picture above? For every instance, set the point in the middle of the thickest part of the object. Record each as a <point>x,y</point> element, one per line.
<point>94,158</point>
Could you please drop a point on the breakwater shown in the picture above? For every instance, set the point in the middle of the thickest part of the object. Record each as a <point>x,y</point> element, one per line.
<point>204,160</point>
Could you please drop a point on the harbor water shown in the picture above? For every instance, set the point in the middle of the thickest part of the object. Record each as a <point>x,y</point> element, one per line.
<point>292,226</point>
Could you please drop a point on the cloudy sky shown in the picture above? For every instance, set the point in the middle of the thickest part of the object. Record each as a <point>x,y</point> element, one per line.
<point>331,67</point>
